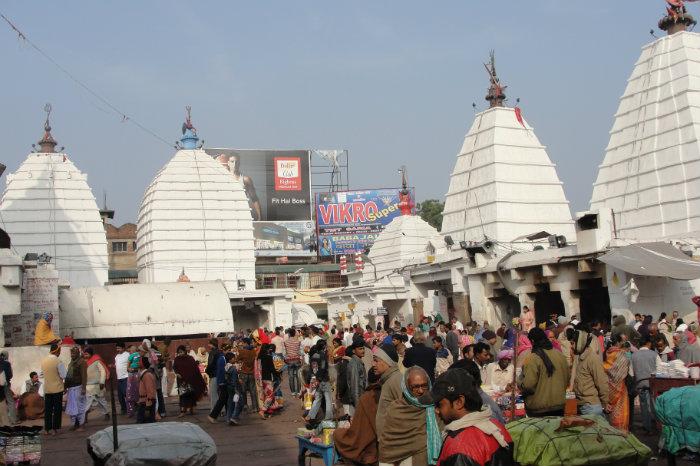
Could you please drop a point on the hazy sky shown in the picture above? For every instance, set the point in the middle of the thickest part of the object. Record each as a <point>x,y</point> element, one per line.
<point>393,82</point>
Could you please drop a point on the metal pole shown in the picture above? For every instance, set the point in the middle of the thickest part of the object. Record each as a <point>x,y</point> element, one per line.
<point>115,436</point>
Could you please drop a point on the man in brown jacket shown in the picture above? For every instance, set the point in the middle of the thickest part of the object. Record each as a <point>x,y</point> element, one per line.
<point>76,382</point>
<point>54,372</point>
<point>590,379</point>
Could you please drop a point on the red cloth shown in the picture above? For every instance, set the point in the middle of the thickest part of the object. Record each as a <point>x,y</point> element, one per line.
<point>519,116</point>
<point>474,444</point>
<point>96,357</point>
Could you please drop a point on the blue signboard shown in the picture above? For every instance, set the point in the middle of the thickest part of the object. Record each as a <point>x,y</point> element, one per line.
<point>350,221</point>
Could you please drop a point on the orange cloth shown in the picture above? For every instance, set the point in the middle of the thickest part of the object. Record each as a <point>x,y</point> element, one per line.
<point>617,366</point>
<point>43,334</point>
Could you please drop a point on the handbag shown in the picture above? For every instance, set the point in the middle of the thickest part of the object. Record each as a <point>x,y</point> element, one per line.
<point>184,389</point>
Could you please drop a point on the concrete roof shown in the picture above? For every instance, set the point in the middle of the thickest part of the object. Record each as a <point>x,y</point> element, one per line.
<point>137,310</point>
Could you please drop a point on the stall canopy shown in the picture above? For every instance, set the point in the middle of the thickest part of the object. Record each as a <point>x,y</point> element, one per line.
<point>654,260</point>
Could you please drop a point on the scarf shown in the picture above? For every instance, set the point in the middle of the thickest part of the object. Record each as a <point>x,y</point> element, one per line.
<point>482,421</point>
<point>432,431</point>
<point>96,357</point>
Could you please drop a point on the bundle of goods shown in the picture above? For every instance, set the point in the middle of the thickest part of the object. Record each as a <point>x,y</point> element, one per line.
<point>323,434</point>
<point>573,441</point>
<point>672,370</point>
<point>20,445</point>
<point>678,410</point>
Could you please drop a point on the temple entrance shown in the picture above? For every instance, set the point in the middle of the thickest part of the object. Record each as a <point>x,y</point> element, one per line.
<point>594,301</point>
<point>546,303</point>
<point>244,319</point>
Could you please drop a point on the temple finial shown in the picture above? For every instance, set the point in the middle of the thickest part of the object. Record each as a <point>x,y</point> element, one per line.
<point>47,144</point>
<point>495,96</point>
<point>189,132</point>
<point>677,18</point>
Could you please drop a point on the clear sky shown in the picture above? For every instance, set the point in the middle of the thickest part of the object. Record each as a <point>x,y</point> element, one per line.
<point>393,82</point>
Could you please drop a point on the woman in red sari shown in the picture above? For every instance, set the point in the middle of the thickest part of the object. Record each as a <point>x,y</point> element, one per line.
<point>617,366</point>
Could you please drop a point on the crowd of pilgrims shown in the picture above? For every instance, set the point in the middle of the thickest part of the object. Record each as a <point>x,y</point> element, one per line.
<point>413,395</point>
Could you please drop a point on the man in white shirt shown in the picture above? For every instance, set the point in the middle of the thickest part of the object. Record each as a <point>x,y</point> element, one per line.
<point>456,324</point>
<point>121,363</point>
<point>500,374</point>
<point>310,340</point>
<point>278,341</point>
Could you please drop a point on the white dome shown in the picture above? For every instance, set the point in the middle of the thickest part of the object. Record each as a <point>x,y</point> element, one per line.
<point>195,215</point>
<point>407,239</point>
<point>49,208</point>
<point>504,185</point>
<point>649,176</point>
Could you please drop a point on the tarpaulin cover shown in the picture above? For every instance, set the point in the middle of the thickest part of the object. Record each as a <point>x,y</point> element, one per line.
<point>158,444</point>
<point>537,442</point>
<point>678,410</point>
<point>654,260</point>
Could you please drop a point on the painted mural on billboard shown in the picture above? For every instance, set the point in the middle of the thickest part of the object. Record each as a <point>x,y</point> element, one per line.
<point>350,221</point>
<point>278,187</point>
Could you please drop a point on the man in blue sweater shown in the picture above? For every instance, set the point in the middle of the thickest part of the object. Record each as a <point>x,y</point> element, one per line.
<point>220,365</point>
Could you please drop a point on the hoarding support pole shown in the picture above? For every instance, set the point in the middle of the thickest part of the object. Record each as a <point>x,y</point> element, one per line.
<point>115,435</point>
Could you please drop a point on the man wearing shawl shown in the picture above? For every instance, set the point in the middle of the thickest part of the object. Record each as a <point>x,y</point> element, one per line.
<point>190,384</point>
<point>97,374</point>
<point>471,436</point>
<point>411,435</point>
<point>43,335</point>
<point>76,382</point>
<point>358,443</point>
<point>688,351</point>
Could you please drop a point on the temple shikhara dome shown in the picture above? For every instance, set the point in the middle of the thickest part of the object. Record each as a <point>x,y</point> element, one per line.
<point>48,207</point>
<point>650,175</point>
<point>504,186</point>
<point>195,215</point>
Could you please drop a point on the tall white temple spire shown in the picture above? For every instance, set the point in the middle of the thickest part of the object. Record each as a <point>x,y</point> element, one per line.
<point>504,186</point>
<point>651,170</point>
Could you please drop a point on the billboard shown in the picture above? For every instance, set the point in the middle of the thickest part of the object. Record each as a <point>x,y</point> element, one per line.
<point>277,184</point>
<point>350,221</point>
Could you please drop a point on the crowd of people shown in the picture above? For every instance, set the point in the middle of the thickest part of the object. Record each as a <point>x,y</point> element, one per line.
<point>411,395</point>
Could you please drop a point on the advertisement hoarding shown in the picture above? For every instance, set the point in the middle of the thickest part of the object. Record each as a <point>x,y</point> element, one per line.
<point>277,184</point>
<point>350,221</point>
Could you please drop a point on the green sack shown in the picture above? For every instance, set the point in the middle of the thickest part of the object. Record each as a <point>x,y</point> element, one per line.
<point>537,442</point>
<point>678,410</point>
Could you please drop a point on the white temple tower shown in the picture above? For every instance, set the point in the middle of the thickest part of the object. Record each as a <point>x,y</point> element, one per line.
<point>48,207</point>
<point>504,186</point>
<point>650,176</point>
<point>195,220</point>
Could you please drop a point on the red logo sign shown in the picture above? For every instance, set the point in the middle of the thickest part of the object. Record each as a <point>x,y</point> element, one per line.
<point>287,174</point>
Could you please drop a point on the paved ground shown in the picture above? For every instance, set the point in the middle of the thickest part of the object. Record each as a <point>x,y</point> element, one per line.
<point>255,441</point>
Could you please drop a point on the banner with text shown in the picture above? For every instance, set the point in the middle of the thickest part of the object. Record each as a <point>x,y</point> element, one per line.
<point>349,221</point>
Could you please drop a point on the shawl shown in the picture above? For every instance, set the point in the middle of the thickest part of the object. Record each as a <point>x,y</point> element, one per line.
<point>187,368</point>
<point>434,438</point>
<point>404,433</point>
<point>96,357</point>
<point>359,442</point>
<point>482,421</point>
<point>524,343</point>
<point>616,365</point>
<point>689,354</point>
<point>43,334</point>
